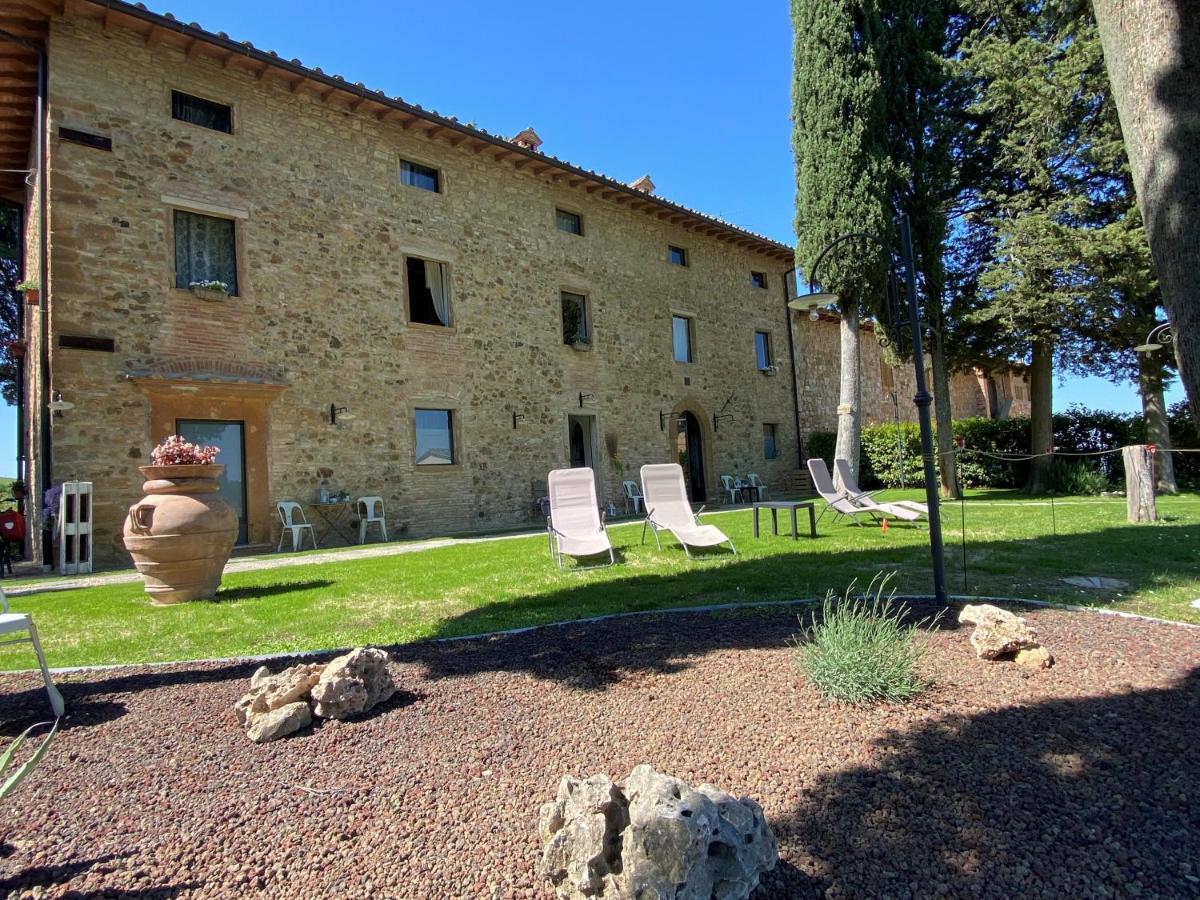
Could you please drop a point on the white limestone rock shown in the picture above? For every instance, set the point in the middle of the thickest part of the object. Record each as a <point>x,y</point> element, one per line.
<point>352,684</point>
<point>653,836</point>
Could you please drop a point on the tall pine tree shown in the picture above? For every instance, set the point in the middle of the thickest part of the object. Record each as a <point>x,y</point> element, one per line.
<point>842,171</point>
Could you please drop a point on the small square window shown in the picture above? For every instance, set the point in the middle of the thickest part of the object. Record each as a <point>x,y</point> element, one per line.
<point>570,222</point>
<point>758,279</point>
<point>770,441</point>
<point>681,339</point>
<point>762,349</point>
<point>205,251</point>
<point>887,377</point>
<point>419,176</point>
<point>574,319</point>
<point>435,437</point>
<point>677,256</point>
<point>428,291</point>
<point>198,111</point>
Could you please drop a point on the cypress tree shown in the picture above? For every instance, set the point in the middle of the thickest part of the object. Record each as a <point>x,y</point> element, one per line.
<point>842,171</point>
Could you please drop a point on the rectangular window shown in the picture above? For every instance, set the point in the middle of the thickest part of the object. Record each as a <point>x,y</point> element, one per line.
<point>677,256</point>
<point>198,111</point>
<point>574,318</point>
<point>435,437</point>
<point>770,441</point>
<point>887,377</point>
<point>570,222</point>
<point>205,251</point>
<point>428,291</point>
<point>681,338</point>
<point>762,349</point>
<point>758,279</point>
<point>419,176</point>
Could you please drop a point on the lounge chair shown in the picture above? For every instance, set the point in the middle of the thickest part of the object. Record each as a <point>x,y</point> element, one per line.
<point>668,509</point>
<point>841,503</point>
<point>858,495</point>
<point>575,526</point>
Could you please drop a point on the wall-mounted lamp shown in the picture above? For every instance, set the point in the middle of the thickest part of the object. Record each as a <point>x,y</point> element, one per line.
<point>57,404</point>
<point>1159,337</point>
<point>335,411</point>
<point>583,396</point>
<point>517,418</point>
<point>662,421</point>
<point>717,419</point>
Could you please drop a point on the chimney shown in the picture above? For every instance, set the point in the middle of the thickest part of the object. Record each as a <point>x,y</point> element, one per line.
<point>528,139</point>
<point>643,184</point>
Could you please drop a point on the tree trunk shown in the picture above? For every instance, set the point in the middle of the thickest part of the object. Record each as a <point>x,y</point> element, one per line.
<point>1041,414</point>
<point>1152,52</point>
<point>947,464</point>
<point>1139,484</point>
<point>850,396</point>
<point>1158,432</point>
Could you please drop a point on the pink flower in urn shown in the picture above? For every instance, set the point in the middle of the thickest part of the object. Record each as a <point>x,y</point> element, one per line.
<point>175,451</point>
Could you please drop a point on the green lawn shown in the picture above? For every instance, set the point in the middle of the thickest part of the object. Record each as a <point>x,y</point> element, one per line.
<point>471,588</point>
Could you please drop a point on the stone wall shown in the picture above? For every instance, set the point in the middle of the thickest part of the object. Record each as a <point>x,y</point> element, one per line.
<point>323,225</point>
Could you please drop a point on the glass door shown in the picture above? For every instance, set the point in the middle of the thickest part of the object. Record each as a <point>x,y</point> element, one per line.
<point>229,437</point>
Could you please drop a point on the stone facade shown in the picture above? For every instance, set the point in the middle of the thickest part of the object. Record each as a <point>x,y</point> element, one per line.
<point>323,225</point>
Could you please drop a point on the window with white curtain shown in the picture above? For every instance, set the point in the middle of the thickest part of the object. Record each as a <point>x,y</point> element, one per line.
<point>205,251</point>
<point>428,292</point>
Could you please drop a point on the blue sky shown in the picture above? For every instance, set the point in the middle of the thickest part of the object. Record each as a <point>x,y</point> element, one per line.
<point>689,93</point>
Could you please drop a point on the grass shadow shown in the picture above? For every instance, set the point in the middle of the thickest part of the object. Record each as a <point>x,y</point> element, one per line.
<point>257,592</point>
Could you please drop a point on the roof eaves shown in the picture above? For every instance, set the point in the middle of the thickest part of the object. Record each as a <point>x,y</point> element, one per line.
<point>221,39</point>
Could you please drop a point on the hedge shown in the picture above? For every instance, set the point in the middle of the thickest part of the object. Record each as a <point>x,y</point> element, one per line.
<point>1078,430</point>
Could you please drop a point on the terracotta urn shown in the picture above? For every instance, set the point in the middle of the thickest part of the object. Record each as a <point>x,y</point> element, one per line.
<point>181,533</point>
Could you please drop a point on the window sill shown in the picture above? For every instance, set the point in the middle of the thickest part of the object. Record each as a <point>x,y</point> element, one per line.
<point>427,467</point>
<point>205,295</point>
<point>444,330</point>
<point>579,347</point>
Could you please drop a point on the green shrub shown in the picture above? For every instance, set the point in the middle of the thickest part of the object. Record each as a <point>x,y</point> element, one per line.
<point>859,651</point>
<point>1077,476</point>
<point>881,456</point>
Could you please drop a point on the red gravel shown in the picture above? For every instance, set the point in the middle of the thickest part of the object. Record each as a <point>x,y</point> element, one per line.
<point>1083,780</point>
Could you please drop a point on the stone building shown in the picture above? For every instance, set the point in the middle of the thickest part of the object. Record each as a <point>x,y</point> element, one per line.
<point>343,289</point>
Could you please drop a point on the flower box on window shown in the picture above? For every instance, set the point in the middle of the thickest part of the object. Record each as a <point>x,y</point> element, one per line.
<point>32,291</point>
<point>209,290</point>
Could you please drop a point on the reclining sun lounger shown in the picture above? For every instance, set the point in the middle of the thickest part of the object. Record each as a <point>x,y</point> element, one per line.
<point>858,496</point>
<point>574,526</point>
<point>668,509</point>
<point>841,503</point>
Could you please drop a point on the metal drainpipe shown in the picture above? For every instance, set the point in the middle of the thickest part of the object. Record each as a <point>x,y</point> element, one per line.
<point>43,265</point>
<point>795,382</point>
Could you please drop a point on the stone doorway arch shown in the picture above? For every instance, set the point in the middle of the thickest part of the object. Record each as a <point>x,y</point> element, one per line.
<point>691,445</point>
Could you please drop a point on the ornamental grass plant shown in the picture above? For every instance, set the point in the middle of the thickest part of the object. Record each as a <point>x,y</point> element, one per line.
<point>860,650</point>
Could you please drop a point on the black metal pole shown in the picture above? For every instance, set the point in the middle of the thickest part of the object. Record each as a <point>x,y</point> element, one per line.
<point>922,400</point>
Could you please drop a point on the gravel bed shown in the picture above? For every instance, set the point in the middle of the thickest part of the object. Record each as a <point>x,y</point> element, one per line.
<point>1078,781</point>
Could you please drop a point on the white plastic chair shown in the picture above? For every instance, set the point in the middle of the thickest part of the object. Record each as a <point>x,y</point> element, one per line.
<point>668,509</point>
<point>632,495</point>
<point>368,507</point>
<point>730,487</point>
<point>575,526</point>
<point>291,515</point>
<point>13,623</point>
<point>760,489</point>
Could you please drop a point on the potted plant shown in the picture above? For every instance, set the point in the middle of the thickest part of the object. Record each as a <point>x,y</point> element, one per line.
<point>209,290</point>
<point>181,533</point>
<point>31,289</point>
<point>16,349</point>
